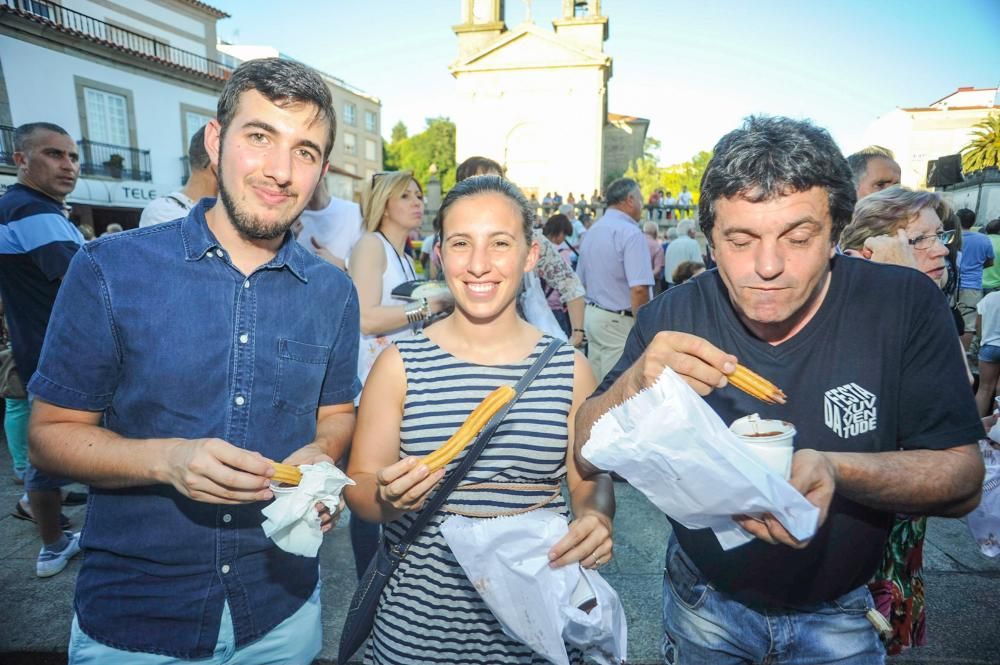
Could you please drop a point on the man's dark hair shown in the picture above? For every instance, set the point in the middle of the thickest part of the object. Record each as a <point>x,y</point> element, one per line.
<point>483,184</point>
<point>283,83</point>
<point>197,155</point>
<point>771,157</point>
<point>22,135</point>
<point>966,218</point>
<point>858,162</point>
<point>993,228</point>
<point>557,224</point>
<point>477,166</point>
<point>619,190</point>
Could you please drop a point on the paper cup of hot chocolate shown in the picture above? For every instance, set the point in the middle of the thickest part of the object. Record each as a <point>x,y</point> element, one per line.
<point>771,440</point>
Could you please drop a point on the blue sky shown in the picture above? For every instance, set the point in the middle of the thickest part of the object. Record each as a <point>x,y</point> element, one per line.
<point>693,68</point>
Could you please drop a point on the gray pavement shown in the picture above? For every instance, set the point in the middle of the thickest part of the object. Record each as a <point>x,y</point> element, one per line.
<point>963,588</point>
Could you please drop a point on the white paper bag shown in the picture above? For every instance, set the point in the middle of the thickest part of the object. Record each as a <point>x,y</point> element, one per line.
<point>536,308</point>
<point>506,559</point>
<point>292,521</point>
<point>671,446</point>
<point>984,521</point>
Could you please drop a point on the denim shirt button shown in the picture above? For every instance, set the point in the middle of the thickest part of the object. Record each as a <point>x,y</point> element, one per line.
<point>208,253</point>
<point>246,284</point>
<point>240,401</point>
<point>225,569</point>
<point>227,518</point>
<point>244,338</point>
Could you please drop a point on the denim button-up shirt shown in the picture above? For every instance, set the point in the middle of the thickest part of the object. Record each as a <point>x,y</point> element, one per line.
<point>156,329</point>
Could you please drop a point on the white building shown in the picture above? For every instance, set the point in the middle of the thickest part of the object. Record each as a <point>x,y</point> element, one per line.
<point>921,134</point>
<point>130,81</point>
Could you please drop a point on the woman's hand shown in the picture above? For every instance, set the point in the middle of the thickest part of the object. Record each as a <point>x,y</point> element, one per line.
<point>439,304</point>
<point>406,484</point>
<point>892,250</point>
<point>588,541</point>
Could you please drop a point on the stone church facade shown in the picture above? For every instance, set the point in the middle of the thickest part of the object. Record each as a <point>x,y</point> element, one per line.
<point>536,100</point>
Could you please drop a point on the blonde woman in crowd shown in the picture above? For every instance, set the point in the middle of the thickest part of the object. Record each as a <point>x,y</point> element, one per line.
<point>392,207</point>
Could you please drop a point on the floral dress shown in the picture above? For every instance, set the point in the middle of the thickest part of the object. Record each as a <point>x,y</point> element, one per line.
<point>898,585</point>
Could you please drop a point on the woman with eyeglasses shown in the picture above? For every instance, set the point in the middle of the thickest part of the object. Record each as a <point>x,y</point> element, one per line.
<point>392,207</point>
<point>902,227</point>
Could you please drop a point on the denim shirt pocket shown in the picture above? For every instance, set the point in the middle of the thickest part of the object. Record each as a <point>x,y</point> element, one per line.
<point>687,583</point>
<point>299,376</point>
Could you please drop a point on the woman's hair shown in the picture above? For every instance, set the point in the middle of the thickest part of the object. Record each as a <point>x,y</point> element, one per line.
<point>477,166</point>
<point>557,224</point>
<point>685,270</point>
<point>485,184</point>
<point>886,212</point>
<point>379,189</point>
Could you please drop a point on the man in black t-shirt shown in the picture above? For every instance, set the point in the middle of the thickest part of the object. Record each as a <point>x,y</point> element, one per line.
<point>877,392</point>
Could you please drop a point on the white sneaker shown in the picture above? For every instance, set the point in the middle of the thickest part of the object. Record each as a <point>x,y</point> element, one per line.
<point>52,563</point>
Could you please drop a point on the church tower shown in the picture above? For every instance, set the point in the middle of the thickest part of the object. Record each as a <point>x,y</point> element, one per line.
<point>482,23</point>
<point>582,24</point>
<point>533,99</point>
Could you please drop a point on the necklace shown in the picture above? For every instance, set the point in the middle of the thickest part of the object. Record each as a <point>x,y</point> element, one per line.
<point>402,264</point>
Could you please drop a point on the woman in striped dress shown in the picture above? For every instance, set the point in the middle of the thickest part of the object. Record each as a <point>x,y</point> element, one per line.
<point>421,390</point>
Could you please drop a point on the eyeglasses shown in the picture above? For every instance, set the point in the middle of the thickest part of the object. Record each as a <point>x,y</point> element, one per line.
<point>927,241</point>
<point>379,174</point>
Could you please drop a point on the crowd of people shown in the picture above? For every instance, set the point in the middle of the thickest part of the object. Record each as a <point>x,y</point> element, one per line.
<point>267,325</point>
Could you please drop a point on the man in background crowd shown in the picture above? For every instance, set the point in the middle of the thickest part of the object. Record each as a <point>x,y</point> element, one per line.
<point>977,254</point>
<point>201,183</point>
<point>684,248</point>
<point>330,226</point>
<point>615,270</point>
<point>37,242</point>
<point>872,170</point>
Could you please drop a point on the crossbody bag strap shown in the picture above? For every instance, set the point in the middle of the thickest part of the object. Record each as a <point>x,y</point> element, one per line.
<point>400,549</point>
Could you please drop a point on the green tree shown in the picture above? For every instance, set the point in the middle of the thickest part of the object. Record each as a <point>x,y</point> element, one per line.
<point>983,151</point>
<point>671,178</point>
<point>399,132</point>
<point>435,146</point>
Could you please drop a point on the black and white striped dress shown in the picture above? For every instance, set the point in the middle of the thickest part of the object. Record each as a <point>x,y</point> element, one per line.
<point>429,611</point>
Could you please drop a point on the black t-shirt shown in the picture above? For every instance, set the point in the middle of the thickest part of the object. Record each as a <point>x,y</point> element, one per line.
<point>878,368</point>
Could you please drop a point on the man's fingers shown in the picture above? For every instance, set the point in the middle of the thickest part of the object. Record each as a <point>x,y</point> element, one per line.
<point>238,458</point>
<point>203,488</point>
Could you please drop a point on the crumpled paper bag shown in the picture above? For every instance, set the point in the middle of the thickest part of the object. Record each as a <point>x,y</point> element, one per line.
<point>506,559</point>
<point>668,443</point>
<point>984,521</point>
<point>292,521</point>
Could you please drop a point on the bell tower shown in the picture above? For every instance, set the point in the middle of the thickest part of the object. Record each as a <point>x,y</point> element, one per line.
<point>582,24</point>
<point>482,23</point>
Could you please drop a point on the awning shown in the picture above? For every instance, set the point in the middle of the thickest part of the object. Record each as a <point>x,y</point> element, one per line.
<point>107,193</point>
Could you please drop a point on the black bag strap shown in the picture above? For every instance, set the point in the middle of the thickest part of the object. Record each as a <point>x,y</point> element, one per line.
<point>399,550</point>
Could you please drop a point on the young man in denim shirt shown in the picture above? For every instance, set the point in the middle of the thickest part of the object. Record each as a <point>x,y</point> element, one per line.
<point>179,360</point>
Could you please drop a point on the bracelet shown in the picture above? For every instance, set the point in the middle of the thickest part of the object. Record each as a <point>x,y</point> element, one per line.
<point>419,313</point>
<point>580,330</point>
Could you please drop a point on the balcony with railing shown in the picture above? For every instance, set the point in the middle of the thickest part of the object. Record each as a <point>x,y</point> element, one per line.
<point>74,23</point>
<point>6,145</point>
<point>114,161</point>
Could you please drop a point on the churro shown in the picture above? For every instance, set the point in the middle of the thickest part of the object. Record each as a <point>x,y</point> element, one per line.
<point>756,386</point>
<point>470,428</point>
<point>286,474</point>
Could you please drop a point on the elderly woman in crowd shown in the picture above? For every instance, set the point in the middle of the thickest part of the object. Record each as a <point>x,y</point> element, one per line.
<point>902,227</point>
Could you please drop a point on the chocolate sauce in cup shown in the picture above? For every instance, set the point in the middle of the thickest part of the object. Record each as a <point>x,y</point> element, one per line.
<point>772,441</point>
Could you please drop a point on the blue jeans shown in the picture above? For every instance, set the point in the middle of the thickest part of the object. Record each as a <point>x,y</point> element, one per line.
<point>295,641</point>
<point>703,626</point>
<point>364,542</point>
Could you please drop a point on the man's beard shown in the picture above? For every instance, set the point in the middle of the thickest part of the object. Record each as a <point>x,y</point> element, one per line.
<point>248,226</point>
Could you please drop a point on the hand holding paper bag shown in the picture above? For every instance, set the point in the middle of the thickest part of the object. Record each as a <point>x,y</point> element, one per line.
<point>506,559</point>
<point>671,446</point>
